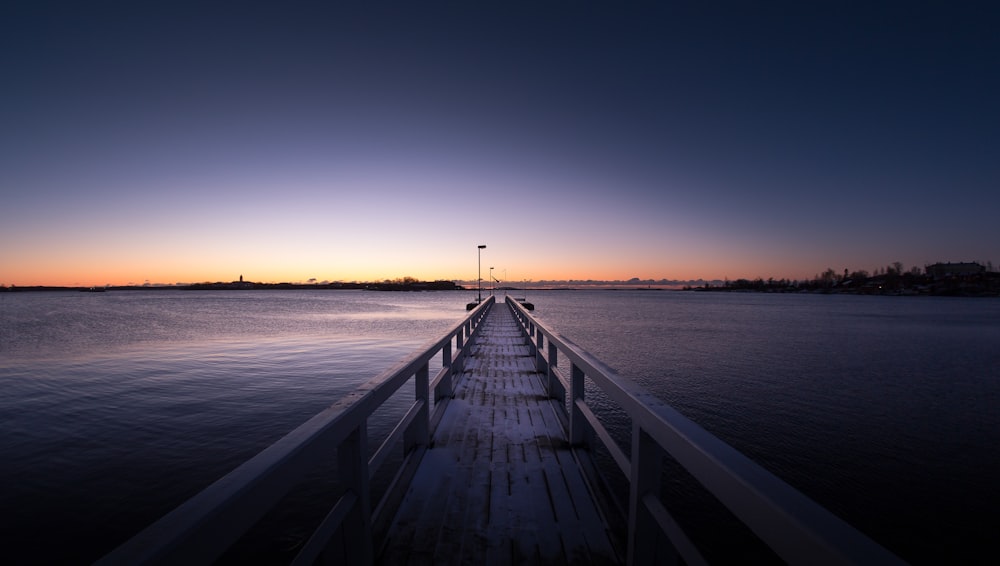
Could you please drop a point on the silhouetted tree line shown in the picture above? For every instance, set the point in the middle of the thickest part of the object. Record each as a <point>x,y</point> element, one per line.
<point>956,279</point>
<point>399,284</point>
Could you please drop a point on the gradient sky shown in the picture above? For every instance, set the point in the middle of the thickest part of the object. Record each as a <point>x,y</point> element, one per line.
<point>172,143</point>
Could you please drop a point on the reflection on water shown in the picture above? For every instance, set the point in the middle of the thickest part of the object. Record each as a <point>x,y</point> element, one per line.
<point>883,409</point>
<point>119,406</point>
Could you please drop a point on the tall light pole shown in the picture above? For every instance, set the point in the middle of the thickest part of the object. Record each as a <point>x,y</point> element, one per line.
<point>491,281</point>
<point>479,283</point>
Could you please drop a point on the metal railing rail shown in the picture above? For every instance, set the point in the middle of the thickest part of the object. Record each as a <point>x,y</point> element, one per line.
<point>798,529</point>
<point>203,527</point>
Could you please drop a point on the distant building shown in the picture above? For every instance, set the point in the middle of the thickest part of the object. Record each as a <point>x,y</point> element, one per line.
<point>939,270</point>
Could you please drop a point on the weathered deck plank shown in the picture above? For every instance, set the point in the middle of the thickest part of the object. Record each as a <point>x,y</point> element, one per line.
<point>499,484</point>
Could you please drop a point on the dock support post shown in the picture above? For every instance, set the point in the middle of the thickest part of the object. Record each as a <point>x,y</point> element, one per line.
<point>352,466</point>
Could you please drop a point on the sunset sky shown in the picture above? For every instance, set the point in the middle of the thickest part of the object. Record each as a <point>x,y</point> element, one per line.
<point>285,141</point>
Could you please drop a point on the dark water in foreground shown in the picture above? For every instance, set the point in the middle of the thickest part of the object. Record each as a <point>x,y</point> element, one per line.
<point>118,406</point>
<point>885,410</point>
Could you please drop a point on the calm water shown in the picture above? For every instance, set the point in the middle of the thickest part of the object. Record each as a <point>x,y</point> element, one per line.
<point>886,410</point>
<point>118,406</point>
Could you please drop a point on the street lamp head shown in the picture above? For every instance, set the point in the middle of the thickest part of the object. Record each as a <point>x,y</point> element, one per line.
<point>482,246</point>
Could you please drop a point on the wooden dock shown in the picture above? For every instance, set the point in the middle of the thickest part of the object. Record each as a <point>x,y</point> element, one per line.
<point>493,464</point>
<point>498,483</point>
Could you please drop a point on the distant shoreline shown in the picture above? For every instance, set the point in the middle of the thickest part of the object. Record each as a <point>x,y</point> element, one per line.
<point>252,286</point>
<point>969,279</point>
<point>975,291</point>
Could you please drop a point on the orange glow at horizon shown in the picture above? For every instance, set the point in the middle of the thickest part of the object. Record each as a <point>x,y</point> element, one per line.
<point>69,271</point>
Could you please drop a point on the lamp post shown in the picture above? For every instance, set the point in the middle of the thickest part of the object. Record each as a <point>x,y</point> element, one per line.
<point>479,283</point>
<point>491,281</point>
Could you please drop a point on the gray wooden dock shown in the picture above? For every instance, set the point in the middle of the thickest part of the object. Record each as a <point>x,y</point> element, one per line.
<point>498,483</point>
<point>493,465</point>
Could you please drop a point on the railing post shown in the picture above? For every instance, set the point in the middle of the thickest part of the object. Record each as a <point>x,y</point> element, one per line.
<point>578,425</point>
<point>554,386</point>
<point>444,387</point>
<point>643,531</point>
<point>540,365</point>
<point>352,466</point>
<point>417,434</point>
<point>532,350</point>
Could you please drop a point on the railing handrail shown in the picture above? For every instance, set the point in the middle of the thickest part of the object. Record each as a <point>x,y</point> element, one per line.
<point>797,528</point>
<point>203,527</point>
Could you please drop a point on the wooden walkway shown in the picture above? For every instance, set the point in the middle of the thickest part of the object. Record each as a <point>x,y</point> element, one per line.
<point>498,484</point>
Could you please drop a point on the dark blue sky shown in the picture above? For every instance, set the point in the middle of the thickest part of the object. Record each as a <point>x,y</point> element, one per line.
<point>658,140</point>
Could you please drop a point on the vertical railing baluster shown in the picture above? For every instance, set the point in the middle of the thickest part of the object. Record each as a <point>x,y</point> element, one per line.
<point>352,467</point>
<point>417,434</point>
<point>444,387</point>
<point>578,425</point>
<point>555,386</point>
<point>553,359</point>
<point>540,365</point>
<point>643,530</point>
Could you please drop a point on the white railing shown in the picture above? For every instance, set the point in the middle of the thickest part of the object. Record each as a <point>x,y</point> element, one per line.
<point>796,528</point>
<point>202,528</point>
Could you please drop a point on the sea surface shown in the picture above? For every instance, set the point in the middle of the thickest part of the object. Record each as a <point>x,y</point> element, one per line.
<point>118,406</point>
<point>885,410</point>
